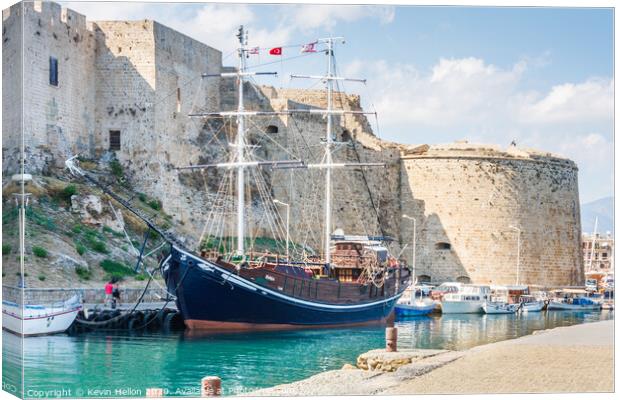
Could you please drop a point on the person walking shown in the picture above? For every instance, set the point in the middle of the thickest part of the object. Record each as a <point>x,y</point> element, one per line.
<point>109,289</point>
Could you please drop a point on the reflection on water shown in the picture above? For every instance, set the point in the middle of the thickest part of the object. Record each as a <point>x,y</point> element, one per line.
<point>124,365</point>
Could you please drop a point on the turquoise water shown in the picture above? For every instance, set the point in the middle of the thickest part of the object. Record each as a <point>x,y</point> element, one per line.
<point>124,365</point>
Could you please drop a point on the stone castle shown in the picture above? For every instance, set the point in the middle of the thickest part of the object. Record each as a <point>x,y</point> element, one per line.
<point>125,88</point>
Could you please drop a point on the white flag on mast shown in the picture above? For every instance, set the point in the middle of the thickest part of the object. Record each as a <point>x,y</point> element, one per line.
<point>309,48</point>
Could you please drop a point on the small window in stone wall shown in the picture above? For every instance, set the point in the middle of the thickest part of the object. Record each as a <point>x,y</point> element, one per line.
<point>178,100</point>
<point>463,279</point>
<point>424,279</point>
<point>346,136</point>
<point>443,246</point>
<point>115,140</point>
<point>53,71</point>
<point>271,129</point>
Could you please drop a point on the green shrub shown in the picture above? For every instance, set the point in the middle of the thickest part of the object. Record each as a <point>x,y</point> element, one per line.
<point>6,249</point>
<point>77,228</point>
<point>80,248</point>
<point>83,273</point>
<point>116,269</point>
<point>39,251</point>
<point>116,168</point>
<point>99,247</point>
<point>142,197</point>
<point>68,191</point>
<point>139,277</point>
<point>41,277</point>
<point>18,274</point>
<point>155,204</point>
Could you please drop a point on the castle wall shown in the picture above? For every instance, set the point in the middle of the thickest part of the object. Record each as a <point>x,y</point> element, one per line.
<point>12,96</point>
<point>539,195</point>
<point>58,119</point>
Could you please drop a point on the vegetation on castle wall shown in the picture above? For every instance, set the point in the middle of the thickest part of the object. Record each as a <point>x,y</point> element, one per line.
<point>116,269</point>
<point>39,251</point>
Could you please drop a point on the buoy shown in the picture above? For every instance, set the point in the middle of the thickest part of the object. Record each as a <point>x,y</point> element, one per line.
<point>210,386</point>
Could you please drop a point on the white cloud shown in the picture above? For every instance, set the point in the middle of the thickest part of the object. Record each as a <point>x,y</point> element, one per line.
<point>308,17</point>
<point>470,99</point>
<point>572,102</point>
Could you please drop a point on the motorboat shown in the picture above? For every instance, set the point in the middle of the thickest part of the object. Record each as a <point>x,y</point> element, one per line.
<point>531,303</point>
<point>468,300</point>
<point>574,300</point>
<point>39,319</point>
<point>411,306</point>
<point>499,307</point>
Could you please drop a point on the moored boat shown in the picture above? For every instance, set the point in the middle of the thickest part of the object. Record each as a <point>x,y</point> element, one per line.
<point>530,303</point>
<point>353,281</point>
<point>573,300</point>
<point>499,307</point>
<point>410,306</point>
<point>40,319</point>
<point>468,300</point>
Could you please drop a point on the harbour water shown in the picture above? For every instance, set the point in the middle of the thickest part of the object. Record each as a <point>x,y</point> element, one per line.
<point>125,365</point>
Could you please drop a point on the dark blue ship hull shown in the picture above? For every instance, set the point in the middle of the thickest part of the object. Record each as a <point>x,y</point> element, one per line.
<point>211,297</point>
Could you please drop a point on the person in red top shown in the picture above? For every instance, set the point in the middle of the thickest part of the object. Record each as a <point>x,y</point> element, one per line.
<point>109,288</point>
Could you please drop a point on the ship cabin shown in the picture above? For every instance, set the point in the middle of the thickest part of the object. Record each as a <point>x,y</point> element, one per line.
<point>350,257</point>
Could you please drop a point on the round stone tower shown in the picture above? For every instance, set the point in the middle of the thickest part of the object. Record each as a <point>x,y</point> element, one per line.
<point>490,215</point>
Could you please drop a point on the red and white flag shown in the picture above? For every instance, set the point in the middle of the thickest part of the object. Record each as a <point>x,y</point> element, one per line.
<point>253,50</point>
<point>309,48</point>
<point>276,51</point>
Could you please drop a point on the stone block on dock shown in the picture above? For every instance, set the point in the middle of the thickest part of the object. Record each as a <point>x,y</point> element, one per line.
<point>382,360</point>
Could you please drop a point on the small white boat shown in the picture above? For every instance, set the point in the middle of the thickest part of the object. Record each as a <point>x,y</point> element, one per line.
<point>531,304</point>
<point>468,300</point>
<point>574,300</point>
<point>499,307</point>
<point>410,306</point>
<point>32,320</point>
<point>574,304</point>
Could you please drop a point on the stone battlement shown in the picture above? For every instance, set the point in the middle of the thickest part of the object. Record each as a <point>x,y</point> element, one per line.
<point>464,149</point>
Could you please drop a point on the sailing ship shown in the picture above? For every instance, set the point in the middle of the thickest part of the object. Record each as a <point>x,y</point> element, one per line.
<point>353,281</point>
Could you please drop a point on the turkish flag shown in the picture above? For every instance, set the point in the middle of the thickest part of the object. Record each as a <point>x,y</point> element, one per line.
<point>276,51</point>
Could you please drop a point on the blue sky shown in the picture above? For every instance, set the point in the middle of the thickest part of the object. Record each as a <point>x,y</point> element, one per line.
<point>542,76</point>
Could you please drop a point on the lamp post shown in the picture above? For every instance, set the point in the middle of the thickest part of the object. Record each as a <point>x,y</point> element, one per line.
<point>518,249</point>
<point>413,251</point>
<point>288,214</point>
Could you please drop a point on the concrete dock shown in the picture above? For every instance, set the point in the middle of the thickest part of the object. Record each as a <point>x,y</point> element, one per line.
<point>578,358</point>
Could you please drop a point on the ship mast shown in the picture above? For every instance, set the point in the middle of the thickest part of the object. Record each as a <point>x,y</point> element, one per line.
<point>243,41</point>
<point>328,163</point>
<point>328,155</point>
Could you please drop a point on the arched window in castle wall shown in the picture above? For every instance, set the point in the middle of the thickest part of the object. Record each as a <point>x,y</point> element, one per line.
<point>443,246</point>
<point>424,279</point>
<point>346,136</point>
<point>271,129</point>
<point>463,279</point>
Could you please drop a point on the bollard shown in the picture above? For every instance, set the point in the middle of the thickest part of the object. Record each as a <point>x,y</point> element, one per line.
<point>155,392</point>
<point>210,386</point>
<point>391,336</point>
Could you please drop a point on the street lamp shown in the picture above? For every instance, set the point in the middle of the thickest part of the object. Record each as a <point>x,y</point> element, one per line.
<point>413,251</point>
<point>288,214</point>
<point>518,249</point>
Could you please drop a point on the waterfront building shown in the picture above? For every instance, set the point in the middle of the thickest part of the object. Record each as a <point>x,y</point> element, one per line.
<point>597,252</point>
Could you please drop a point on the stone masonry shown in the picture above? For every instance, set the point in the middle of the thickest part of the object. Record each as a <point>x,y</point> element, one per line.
<point>141,79</point>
